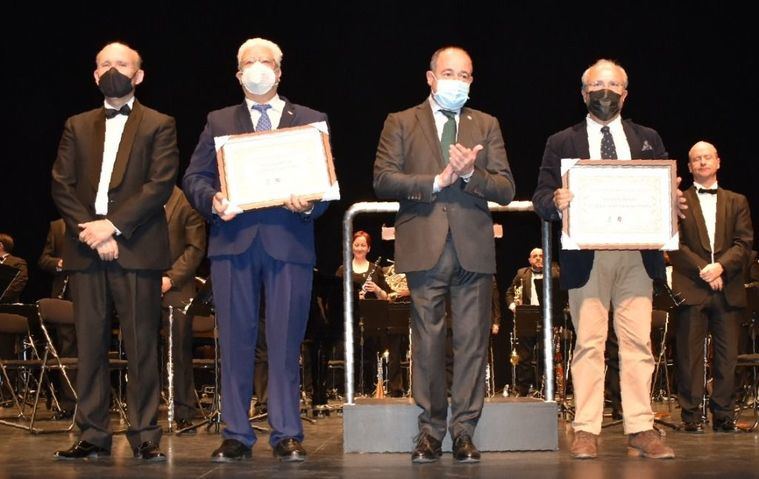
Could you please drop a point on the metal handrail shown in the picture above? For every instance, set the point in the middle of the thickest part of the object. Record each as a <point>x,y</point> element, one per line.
<point>392,207</point>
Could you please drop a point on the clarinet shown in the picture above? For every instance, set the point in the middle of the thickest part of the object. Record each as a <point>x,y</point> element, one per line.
<point>369,274</point>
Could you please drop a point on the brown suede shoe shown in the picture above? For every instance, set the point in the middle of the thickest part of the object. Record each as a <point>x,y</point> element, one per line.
<point>649,444</point>
<point>584,445</point>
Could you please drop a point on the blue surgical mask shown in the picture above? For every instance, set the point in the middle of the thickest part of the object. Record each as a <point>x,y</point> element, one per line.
<point>451,94</point>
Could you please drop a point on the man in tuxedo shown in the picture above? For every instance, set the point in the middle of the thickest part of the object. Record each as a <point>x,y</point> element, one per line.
<point>13,292</point>
<point>524,291</point>
<point>598,279</point>
<point>115,169</point>
<point>709,269</point>
<point>270,248</point>
<point>187,244</point>
<point>444,243</point>
<point>64,336</point>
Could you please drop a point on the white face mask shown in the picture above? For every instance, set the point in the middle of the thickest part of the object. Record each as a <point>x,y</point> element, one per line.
<point>258,78</point>
<point>451,94</point>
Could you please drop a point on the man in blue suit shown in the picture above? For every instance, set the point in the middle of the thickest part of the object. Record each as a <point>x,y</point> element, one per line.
<point>270,249</point>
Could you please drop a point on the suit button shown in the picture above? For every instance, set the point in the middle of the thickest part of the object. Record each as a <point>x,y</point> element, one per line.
<point>445,208</point>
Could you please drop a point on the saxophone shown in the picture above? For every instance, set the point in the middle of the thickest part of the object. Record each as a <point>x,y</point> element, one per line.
<point>519,292</point>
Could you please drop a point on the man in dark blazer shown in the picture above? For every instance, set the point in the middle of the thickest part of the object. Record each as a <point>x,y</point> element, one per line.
<point>444,242</point>
<point>13,291</point>
<point>64,336</point>
<point>598,279</point>
<point>270,248</point>
<point>709,269</point>
<point>187,244</point>
<point>115,169</point>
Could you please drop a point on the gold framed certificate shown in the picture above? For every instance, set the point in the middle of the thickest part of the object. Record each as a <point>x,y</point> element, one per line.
<point>259,170</point>
<point>620,204</point>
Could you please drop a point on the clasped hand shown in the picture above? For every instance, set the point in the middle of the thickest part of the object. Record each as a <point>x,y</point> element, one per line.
<point>98,235</point>
<point>460,163</point>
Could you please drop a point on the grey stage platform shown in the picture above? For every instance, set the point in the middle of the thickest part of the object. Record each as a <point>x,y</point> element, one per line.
<point>507,424</point>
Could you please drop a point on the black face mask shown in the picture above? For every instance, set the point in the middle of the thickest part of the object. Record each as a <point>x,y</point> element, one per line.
<point>115,84</point>
<point>604,104</point>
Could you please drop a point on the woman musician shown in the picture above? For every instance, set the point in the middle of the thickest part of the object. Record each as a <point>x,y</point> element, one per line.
<point>368,278</point>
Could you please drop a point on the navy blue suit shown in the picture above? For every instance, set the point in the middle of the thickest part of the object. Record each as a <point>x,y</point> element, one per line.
<point>645,143</point>
<point>270,248</point>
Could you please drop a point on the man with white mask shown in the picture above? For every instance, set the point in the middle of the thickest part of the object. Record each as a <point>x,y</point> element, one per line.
<point>444,243</point>
<point>264,251</point>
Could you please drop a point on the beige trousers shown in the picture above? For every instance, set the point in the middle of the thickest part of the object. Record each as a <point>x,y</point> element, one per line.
<point>619,279</point>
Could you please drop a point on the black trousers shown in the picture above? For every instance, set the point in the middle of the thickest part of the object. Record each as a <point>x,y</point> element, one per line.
<point>136,298</point>
<point>693,323</point>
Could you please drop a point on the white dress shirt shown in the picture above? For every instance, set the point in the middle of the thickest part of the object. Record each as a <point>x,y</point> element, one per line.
<point>114,128</point>
<point>708,203</point>
<point>617,132</point>
<point>274,113</point>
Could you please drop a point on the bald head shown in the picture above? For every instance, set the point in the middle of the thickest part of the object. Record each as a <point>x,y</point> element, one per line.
<point>536,260</point>
<point>703,163</point>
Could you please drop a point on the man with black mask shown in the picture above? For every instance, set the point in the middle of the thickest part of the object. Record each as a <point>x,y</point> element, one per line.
<point>597,280</point>
<point>116,167</point>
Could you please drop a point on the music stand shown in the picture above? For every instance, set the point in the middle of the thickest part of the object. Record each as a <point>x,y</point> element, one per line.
<point>202,305</point>
<point>8,274</point>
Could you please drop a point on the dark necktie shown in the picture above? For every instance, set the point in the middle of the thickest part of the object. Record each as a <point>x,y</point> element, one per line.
<point>112,112</point>
<point>712,191</point>
<point>608,150</point>
<point>264,122</point>
<point>448,137</point>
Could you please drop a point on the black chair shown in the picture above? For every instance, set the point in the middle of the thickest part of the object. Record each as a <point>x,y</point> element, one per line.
<point>56,313</point>
<point>25,383</point>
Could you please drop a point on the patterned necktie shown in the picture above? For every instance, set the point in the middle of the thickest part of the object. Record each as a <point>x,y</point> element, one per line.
<point>264,123</point>
<point>448,137</point>
<point>608,150</point>
<point>111,112</point>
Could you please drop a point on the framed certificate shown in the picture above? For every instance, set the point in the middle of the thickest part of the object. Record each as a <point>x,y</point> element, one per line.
<point>263,169</point>
<point>620,204</point>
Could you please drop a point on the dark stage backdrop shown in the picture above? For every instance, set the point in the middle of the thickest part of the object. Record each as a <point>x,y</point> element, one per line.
<point>692,70</point>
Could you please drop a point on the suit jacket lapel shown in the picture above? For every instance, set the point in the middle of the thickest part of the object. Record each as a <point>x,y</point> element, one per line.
<point>719,228</point>
<point>243,123</point>
<point>633,141</point>
<point>427,123</point>
<point>288,116</point>
<point>126,144</point>
<point>96,148</point>
<point>580,141</point>
<point>698,216</point>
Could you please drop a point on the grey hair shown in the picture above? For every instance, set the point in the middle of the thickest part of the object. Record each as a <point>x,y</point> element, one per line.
<point>433,60</point>
<point>603,62</point>
<point>260,42</point>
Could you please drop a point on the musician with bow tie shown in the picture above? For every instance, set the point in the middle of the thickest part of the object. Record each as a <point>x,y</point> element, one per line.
<point>115,169</point>
<point>716,238</point>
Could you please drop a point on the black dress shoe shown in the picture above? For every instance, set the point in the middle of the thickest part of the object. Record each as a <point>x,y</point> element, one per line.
<point>692,427</point>
<point>464,449</point>
<point>428,449</point>
<point>184,424</point>
<point>82,450</point>
<point>231,450</point>
<point>149,451</point>
<point>289,450</point>
<point>724,425</point>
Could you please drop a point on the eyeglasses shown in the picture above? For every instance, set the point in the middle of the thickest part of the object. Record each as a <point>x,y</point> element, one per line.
<point>612,85</point>
<point>449,75</point>
<point>266,61</point>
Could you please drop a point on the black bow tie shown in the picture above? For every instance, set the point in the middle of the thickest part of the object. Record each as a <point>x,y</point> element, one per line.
<point>111,112</point>
<point>712,191</point>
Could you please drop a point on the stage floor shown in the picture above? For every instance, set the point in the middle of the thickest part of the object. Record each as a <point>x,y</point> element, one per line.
<point>709,455</point>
